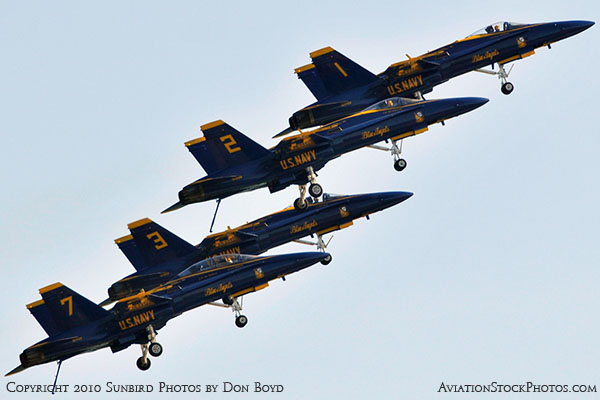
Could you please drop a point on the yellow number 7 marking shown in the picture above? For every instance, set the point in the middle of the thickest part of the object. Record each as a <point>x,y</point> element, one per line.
<point>70,301</point>
<point>230,143</point>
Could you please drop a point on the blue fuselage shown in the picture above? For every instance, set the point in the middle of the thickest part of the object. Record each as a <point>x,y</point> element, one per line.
<point>421,74</point>
<point>127,322</point>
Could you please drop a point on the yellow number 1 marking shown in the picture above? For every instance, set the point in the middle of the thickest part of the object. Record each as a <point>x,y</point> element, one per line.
<point>230,143</point>
<point>156,238</point>
<point>70,301</point>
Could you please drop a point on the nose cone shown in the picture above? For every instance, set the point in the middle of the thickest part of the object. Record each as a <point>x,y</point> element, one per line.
<point>466,104</point>
<point>389,199</point>
<point>448,108</point>
<point>570,28</point>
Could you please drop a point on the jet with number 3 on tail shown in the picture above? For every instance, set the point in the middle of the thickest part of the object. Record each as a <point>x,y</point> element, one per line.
<point>236,164</point>
<point>342,87</point>
<point>158,255</point>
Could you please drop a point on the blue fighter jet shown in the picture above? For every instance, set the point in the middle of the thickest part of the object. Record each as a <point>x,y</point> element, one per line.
<point>76,325</point>
<point>342,87</point>
<point>158,255</point>
<point>235,163</point>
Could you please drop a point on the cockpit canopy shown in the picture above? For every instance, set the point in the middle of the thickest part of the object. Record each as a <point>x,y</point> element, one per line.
<point>215,262</point>
<point>391,103</point>
<point>497,27</point>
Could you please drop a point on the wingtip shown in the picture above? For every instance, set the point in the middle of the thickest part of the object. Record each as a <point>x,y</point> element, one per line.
<point>174,207</point>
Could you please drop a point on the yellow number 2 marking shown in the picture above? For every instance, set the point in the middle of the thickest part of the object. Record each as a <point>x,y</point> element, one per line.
<point>156,238</point>
<point>230,143</point>
<point>70,301</point>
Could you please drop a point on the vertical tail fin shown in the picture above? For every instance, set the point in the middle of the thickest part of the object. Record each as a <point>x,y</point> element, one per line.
<point>150,244</point>
<point>311,78</point>
<point>62,309</point>
<point>331,73</point>
<point>222,147</point>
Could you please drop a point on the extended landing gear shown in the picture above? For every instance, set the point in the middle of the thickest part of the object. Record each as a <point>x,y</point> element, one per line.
<point>154,349</point>
<point>143,364</point>
<point>314,190</point>
<point>231,302</point>
<point>241,321</point>
<point>399,163</point>
<point>506,87</point>
<point>321,245</point>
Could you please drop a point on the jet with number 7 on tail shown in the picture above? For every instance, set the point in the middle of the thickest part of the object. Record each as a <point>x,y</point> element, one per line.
<point>235,163</point>
<point>76,325</point>
<point>343,87</point>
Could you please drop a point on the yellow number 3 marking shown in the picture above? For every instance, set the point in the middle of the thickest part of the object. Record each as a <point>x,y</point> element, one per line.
<point>70,301</point>
<point>156,238</point>
<point>230,143</point>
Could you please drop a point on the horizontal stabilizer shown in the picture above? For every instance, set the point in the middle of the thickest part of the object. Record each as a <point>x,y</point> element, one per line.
<point>284,132</point>
<point>15,370</point>
<point>223,147</point>
<point>174,207</point>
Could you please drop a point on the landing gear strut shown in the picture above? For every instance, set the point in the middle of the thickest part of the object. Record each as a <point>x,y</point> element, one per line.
<point>314,190</point>
<point>399,163</point>
<point>321,245</point>
<point>506,87</point>
<point>240,320</point>
<point>153,348</point>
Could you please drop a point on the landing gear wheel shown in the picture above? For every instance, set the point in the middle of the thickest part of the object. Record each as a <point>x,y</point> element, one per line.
<point>326,260</point>
<point>155,349</point>
<point>143,365</point>
<point>315,190</point>
<point>400,164</point>
<point>228,300</point>
<point>241,321</point>
<point>300,205</point>
<point>507,88</point>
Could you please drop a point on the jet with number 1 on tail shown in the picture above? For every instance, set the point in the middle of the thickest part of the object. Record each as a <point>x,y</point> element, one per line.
<point>343,87</point>
<point>236,164</point>
<point>158,255</point>
<point>76,325</point>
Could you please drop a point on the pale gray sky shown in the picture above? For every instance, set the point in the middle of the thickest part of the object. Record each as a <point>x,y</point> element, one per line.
<point>488,273</point>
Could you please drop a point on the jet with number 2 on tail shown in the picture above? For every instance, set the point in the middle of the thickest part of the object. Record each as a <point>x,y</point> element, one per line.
<point>158,255</point>
<point>342,87</point>
<point>236,164</point>
<point>76,325</point>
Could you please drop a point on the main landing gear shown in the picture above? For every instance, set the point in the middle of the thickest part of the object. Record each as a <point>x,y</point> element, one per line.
<point>399,163</point>
<point>314,190</point>
<point>153,348</point>
<point>506,87</point>
<point>321,245</point>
